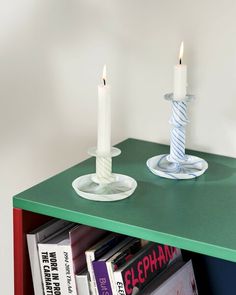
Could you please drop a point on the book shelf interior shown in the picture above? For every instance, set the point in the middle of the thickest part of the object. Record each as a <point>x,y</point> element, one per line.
<point>214,276</point>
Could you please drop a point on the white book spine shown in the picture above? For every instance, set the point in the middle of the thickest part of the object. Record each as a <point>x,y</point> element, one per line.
<point>48,258</point>
<point>111,278</point>
<point>34,264</point>
<point>66,268</point>
<point>89,260</point>
<point>82,282</point>
<point>120,287</point>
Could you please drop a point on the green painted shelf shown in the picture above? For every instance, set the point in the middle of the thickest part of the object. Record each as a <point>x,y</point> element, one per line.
<point>197,215</point>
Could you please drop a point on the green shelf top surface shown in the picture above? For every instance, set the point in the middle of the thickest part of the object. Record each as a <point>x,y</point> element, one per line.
<point>197,215</point>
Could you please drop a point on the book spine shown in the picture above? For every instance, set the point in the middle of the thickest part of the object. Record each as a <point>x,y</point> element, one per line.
<point>68,282</point>
<point>89,260</point>
<point>120,287</point>
<point>34,264</point>
<point>82,282</point>
<point>111,277</point>
<point>48,258</point>
<point>102,278</point>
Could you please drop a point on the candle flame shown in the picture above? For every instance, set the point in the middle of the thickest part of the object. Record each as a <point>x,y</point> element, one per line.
<point>181,52</point>
<point>104,74</point>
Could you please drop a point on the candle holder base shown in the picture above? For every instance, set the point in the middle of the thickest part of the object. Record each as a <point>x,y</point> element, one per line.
<point>120,188</point>
<point>104,187</point>
<point>192,167</point>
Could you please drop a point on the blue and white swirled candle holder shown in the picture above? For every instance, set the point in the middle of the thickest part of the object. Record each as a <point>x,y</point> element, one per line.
<point>177,165</point>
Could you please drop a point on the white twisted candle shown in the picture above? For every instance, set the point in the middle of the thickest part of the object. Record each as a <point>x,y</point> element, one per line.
<point>178,120</point>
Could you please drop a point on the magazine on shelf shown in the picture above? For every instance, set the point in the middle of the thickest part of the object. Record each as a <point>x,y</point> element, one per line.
<point>33,238</point>
<point>150,261</point>
<point>100,269</point>
<point>122,257</point>
<point>97,251</point>
<point>71,251</point>
<point>49,263</point>
<point>178,280</point>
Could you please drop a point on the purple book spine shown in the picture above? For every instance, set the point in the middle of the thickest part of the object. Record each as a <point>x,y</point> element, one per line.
<point>102,277</point>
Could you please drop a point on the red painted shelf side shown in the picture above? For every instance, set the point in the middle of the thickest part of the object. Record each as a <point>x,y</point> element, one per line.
<point>24,222</point>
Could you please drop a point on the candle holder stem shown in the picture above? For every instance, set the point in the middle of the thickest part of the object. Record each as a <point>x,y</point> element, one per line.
<point>177,142</point>
<point>103,170</point>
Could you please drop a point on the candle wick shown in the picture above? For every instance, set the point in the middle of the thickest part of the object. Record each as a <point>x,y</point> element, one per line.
<point>180,61</point>
<point>104,82</point>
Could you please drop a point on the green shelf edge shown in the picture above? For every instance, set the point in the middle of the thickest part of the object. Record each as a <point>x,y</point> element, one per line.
<point>131,230</point>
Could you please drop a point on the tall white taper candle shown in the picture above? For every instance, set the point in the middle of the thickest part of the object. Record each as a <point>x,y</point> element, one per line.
<point>103,158</point>
<point>104,117</point>
<point>180,77</point>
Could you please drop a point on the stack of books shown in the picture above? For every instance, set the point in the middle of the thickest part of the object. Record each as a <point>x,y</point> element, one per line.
<point>75,259</point>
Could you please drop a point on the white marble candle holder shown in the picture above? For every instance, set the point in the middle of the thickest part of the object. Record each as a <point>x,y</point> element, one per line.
<point>177,165</point>
<point>104,185</point>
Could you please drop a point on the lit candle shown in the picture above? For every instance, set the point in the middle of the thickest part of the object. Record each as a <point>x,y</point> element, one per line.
<point>180,77</point>
<point>104,117</point>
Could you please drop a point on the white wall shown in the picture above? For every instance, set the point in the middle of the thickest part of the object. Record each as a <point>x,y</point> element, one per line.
<point>154,31</point>
<point>51,57</point>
